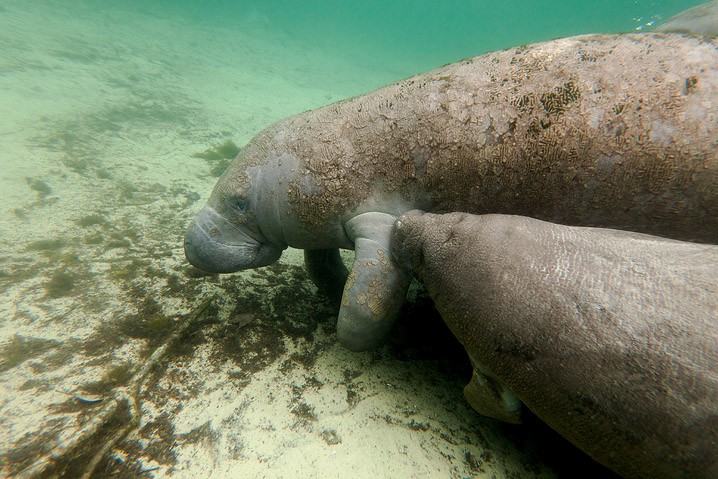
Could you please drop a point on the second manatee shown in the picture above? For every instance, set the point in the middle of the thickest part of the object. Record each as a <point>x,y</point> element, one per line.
<point>610,337</point>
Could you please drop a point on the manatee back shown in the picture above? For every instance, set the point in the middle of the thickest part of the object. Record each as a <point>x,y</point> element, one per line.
<point>610,337</point>
<point>597,130</point>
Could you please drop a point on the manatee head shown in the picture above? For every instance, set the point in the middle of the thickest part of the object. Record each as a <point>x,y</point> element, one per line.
<point>237,229</point>
<point>216,244</point>
<point>253,215</point>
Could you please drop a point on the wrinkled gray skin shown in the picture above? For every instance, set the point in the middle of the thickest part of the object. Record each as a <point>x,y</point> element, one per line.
<point>616,131</point>
<point>610,337</point>
<point>700,20</point>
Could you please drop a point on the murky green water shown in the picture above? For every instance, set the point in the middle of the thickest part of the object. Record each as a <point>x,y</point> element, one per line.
<point>423,34</point>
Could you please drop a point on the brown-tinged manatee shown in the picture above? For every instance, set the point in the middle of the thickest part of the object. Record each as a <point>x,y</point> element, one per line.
<point>609,336</point>
<point>616,131</point>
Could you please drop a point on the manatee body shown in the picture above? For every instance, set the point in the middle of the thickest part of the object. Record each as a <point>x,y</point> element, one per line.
<point>699,20</point>
<point>610,337</point>
<point>616,131</point>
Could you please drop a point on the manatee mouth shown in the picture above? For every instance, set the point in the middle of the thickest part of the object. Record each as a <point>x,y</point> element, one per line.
<point>216,245</point>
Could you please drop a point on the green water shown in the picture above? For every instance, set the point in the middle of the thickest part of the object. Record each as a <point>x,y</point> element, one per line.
<point>422,34</point>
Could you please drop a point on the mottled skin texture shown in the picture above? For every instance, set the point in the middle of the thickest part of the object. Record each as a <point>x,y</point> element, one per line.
<point>611,337</point>
<point>616,131</point>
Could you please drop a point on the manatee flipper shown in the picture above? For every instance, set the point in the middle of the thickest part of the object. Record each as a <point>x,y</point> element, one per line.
<point>327,271</point>
<point>490,396</point>
<point>376,286</point>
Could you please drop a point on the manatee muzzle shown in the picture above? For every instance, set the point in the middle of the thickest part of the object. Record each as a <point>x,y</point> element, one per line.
<point>216,245</point>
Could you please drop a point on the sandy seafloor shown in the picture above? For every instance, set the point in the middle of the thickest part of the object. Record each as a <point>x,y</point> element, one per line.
<point>117,359</point>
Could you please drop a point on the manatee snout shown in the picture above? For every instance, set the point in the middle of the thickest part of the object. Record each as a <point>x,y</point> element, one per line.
<point>216,245</point>
<point>417,234</point>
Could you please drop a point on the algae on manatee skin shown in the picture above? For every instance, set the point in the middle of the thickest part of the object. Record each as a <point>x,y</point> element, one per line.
<point>219,157</point>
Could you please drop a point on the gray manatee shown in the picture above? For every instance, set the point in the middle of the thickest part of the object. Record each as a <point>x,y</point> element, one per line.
<point>616,131</point>
<point>609,336</point>
<point>699,20</point>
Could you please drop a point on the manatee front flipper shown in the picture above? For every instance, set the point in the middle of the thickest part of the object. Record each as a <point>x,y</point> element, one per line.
<point>376,286</point>
<point>327,271</point>
<point>489,396</point>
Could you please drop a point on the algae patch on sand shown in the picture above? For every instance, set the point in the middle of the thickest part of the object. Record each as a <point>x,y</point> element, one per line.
<point>219,157</point>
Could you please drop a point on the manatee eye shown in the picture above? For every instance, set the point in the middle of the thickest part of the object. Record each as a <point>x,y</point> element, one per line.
<point>238,204</point>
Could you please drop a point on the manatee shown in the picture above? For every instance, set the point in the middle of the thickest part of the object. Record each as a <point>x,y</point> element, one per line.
<point>609,336</point>
<point>616,131</point>
<point>699,20</point>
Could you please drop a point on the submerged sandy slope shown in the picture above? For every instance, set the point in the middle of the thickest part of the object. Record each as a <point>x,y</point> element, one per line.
<point>115,356</point>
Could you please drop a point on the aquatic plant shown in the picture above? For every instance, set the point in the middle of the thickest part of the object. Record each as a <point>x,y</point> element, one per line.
<point>60,284</point>
<point>219,157</point>
<point>117,375</point>
<point>21,348</point>
<point>226,151</point>
<point>42,188</point>
<point>46,245</point>
<point>91,220</point>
